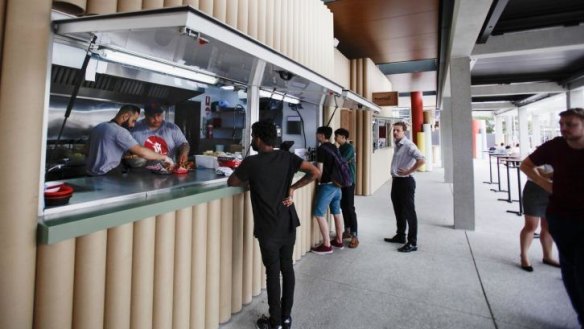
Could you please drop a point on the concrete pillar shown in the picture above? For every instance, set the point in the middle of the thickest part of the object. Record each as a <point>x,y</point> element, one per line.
<point>463,178</point>
<point>575,98</point>
<point>535,132</point>
<point>417,114</point>
<point>508,130</point>
<point>446,138</point>
<point>499,137</point>
<point>523,132</point>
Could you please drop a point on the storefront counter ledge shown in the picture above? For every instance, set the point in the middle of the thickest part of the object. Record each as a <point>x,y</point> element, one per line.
<point>62,223</point>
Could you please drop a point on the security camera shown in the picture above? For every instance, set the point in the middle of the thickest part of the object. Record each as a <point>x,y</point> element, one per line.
<point>285,75</point>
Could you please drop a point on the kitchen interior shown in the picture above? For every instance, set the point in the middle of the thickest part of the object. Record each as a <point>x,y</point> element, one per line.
<point>201,83</point>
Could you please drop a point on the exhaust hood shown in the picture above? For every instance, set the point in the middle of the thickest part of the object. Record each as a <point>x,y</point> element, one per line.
<point>191,42</point>
<point>113,81</point>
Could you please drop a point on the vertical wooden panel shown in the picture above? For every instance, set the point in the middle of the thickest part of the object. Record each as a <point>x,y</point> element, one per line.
<point>295,24</point>
<point>236,282</point>
<point>163,270</point>
<point>172,3</point>
<point>54,285</point>
<point>152,4</point>
<point>226,258</point>
<point>252,22</point>
<point>262,20</point>
<point>25,37</point>
<point>276,26</point>
<point>192,3</point>
<point>270,19</point>
<point>89,292</point>
<point>232,12</point>
<point>284,28</point>
<point>206,6</point>
<point>101,7</point>
<point>243,16</point>
<point>220,10</point>
<point>257,269</point>
<point>199,266</point>
<point>129,5</point>
<point>213,264</point>
<point>302,32</point>
<point>118,287</point>
<point>361,149</point>
<point>247,250</point>
<point>182,268</point>
<point>143,273</point>
<point>367,152</point>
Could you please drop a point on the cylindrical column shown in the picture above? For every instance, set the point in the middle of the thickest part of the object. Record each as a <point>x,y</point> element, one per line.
<point>118,280</point>
<point>213,264</point>
<point>192,3</point>
<point>360,147</point>
<point>101,7</point>
<point>23,64</point>
<point>163,270</point>
<point>220,10</point>
<point>182,268</point>
<point>152,4</point>
<point>206,6</point>
<point>143,273</point>
<point>89,293</point>
<point>247,251</point>
<point>54,286</point>
<point>242,15</point>
<point>129,5</point>
<point>199,266</point>
<point>73,7</point>
<point>257,269</point>
<point>237,267</point>
<point>417,102</point>
<point>226,259</point>
<point>171,3</point>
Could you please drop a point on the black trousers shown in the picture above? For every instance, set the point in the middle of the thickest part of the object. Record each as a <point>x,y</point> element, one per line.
<point>402,198</point>
<point>348,208</point>
<point>567,232</point>
<point>277,257</point>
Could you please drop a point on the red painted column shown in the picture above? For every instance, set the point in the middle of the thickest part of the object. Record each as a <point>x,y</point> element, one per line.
<point>417,114</point>
<point>476,126</point>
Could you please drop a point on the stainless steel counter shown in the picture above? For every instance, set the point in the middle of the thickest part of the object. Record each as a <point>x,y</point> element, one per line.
<point>138,184</point>
<point>109,201</point>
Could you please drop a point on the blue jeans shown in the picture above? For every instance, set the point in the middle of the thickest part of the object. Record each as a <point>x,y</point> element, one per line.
<point>567,232</point>
<point>327,195</point>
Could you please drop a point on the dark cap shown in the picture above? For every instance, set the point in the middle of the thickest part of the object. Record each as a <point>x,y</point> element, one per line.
<point>152,108</point>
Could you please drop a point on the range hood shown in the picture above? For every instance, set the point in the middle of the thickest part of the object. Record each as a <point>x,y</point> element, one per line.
<point>188,38</point>
<point>114,82</point>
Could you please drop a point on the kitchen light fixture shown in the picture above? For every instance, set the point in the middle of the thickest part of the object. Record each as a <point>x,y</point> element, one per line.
<point>153,65</point>
<point>279,97</point>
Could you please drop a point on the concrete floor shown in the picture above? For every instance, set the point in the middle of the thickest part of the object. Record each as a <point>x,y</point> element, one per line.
<point>456,279</point>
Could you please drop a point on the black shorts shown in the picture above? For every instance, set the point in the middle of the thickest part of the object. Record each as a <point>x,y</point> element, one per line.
<point>535,200</point>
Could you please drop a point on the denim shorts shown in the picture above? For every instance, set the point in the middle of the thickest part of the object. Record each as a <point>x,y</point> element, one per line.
<point>327,195</point>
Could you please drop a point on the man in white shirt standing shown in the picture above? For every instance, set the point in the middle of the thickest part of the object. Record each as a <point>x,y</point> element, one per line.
<point>406,160</point>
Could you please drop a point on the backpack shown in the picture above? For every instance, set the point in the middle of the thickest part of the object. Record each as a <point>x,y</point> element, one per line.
<point>340,172</point>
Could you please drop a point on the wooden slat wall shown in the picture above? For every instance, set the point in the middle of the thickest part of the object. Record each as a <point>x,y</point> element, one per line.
<point>166,271</point>
<point>191,267</point>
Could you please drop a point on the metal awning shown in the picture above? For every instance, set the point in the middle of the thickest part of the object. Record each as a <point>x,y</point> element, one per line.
<point>188,39</point>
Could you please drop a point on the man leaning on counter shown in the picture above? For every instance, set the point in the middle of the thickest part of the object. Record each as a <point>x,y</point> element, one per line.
<point>108,142</point>
<point>161,136</point>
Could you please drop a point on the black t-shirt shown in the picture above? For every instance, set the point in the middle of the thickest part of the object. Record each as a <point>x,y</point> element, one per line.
<point>270,175</point>
<point>567,197</point>
<point>327,159</point>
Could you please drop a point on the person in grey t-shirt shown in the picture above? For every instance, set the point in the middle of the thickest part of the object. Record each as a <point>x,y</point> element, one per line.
<point>108,142</point>
<point>406,160</point>
<point>161,136</point>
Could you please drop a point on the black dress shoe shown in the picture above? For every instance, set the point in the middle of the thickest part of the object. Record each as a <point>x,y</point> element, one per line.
<point>395,239</point>
<point>527,268</point>
<point>408,247</point>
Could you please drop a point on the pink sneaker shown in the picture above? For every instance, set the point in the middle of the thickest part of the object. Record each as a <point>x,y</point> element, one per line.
<point>336,244</point>
<point>322,250</point>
